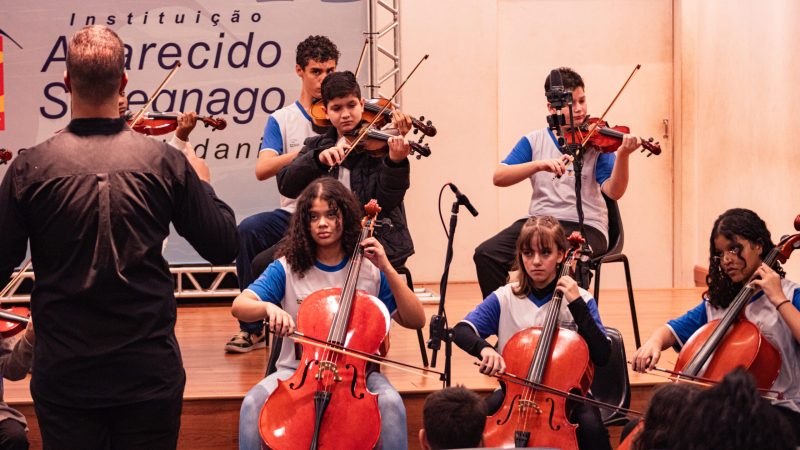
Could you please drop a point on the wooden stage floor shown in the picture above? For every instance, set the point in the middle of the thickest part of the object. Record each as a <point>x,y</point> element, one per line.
<point>216,381</point>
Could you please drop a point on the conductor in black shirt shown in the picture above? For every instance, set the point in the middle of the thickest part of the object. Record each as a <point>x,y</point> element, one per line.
<point>95,201</point>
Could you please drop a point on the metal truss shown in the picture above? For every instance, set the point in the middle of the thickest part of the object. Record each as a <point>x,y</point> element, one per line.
<point>383,34</point>
<point>190,282</point>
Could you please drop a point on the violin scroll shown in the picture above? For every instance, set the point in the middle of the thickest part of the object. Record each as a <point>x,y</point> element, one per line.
<point>5,156</point>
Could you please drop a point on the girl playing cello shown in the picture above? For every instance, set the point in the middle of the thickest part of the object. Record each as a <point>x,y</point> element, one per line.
<point>315,253</point>
<point>541,247</point>
<point>739,243</point>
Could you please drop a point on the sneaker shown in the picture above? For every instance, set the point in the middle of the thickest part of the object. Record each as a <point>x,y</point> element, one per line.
<point>243,342</point>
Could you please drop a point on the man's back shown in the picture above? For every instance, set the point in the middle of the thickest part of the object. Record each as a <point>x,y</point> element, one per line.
<point>96,202</point>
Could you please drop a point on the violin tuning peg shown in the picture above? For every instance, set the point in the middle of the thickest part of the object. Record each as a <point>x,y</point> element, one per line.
<point>416,131</point>
<point>429,123</point>
<point>422,119</point>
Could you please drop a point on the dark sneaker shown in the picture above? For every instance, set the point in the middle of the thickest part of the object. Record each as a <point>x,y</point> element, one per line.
<point>243,342</point>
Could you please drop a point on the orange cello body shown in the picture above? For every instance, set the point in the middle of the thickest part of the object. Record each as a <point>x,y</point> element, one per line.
<point>352,419</point>
<point>325,404</point>
<point>743,345</point>
<point>543,415</point>
<point>550,356</point>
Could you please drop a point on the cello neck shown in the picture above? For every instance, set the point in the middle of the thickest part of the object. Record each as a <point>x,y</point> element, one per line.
<point>737,305</point>
<point>542,352</point>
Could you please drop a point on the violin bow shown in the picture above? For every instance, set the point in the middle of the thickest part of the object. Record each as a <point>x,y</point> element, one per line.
<point>380,113</point>
<point>302,338</point>
<point>16,278</point>
<point>591,133</point>
<point>361,58</point>
<point>141,112</point>
<point>511,378</point>
<point>769,394</point>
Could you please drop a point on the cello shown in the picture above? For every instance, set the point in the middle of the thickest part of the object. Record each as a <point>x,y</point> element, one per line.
<point>721,345</point>
<point>532,416</point>
<point>328,393</point>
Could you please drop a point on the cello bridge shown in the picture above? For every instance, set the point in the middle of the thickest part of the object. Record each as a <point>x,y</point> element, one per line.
<point>328,366</point>
<point>523,404</point>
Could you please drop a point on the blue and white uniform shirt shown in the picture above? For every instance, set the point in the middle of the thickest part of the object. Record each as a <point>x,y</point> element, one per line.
<point>285,132</point>
<point>556,196</point>
<point>282,286</point>
<point>503,314</point>
<point>761,312</point>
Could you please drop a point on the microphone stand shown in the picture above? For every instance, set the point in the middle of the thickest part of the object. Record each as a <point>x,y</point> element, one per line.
<point>575,150</point>
<point>439,331</point>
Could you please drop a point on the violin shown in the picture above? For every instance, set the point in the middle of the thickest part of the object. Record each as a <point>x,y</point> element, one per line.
<point>325,403</point>
<point>157,124</point>
<point>721,345</point>
<point>5,156</point>
<point>606,139</point>
<point>375,142</point>
<point>376,107</point>
<point>13,320</point>
<point>532,416</point>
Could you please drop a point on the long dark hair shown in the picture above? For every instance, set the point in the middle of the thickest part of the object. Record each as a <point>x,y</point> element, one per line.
<point>298,246</point>
<point>547,233</point>
<point>731,415</point>
<point>668,403</point>
<point>734,222</point>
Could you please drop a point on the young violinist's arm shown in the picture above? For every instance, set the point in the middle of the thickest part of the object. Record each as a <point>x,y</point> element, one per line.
<point>646,356</point>
<point>409,312</point>
<point>770,283</point>
<point>616,185</point>
<point>519,165</point>
<point>270,163</point>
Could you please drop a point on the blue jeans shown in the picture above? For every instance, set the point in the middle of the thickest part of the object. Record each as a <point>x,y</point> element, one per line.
<point>256,234</point>
<point>393,412</point>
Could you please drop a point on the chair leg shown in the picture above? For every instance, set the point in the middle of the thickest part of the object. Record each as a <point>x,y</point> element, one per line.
<point>597,282</point>
<point>410,282</point>
<point>631,302</point>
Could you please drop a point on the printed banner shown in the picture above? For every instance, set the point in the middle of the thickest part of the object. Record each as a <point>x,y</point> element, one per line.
<point>238,62</point>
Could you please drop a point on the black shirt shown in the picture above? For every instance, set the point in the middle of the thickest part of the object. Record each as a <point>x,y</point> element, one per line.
<point>96,201</point>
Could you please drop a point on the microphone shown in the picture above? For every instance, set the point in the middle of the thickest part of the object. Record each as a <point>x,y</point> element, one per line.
<point>463,200</point>
<point>556,97</point>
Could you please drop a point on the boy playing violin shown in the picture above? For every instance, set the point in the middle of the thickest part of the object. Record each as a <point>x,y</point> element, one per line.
<point>322,234</point>
<point>537,157</point>
<point>738,244</point>
<point>384,178</point>
<point>524,303</point>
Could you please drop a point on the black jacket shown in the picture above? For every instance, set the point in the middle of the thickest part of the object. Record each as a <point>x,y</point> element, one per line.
<point>370,177</point>
<point>95,202</point>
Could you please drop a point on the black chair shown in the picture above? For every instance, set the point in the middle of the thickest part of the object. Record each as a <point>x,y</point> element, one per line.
<point>611,384</point>
<point>274,349</point>
<point>616,238</point>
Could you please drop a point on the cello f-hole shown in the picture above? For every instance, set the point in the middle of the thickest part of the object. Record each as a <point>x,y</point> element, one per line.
<point>302,380</point>
<point>353,384</point>
<point>510,410</point>
<point>553,426</point>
